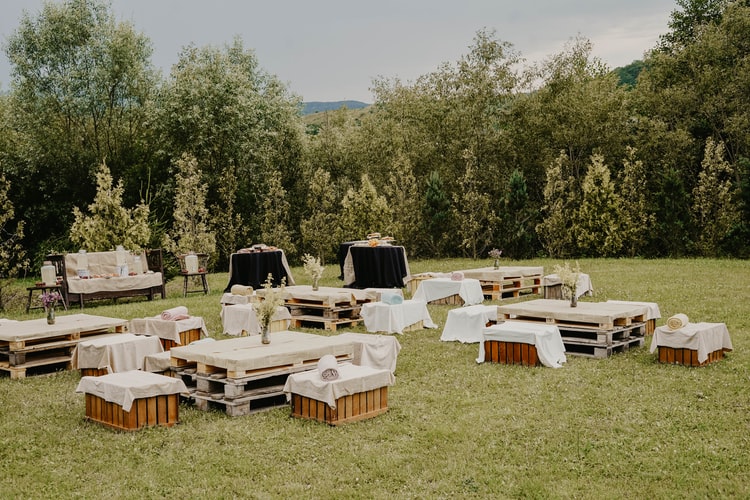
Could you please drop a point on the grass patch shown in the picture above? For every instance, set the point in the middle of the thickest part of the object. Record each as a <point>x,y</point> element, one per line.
<point>613,428</point>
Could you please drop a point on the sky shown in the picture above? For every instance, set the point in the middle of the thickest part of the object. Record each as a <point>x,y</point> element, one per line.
<point>331,50</point>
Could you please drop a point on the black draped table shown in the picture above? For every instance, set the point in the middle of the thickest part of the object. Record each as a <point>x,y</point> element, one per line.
<point>252,269</point>
<point>382,266</point>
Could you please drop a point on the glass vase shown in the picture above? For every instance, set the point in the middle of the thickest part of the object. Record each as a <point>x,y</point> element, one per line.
<point>496,264</point>
<point>264,335</point>
<point>315,284</point>
<point>573,299</point>
<point>51,315</point>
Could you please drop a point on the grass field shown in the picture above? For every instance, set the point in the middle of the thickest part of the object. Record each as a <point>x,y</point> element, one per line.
<point>621,427</point>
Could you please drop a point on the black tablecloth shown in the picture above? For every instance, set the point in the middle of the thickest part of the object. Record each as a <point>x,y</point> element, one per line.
<point>382,266</point>
<point>252,269</point>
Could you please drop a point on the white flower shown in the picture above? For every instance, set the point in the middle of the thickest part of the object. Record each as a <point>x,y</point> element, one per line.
<point>568,276</point>
<point>272,299</point>
<point>312,265</point>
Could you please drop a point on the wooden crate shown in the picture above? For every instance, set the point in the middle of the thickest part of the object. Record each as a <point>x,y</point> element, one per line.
<point>451,300</point>
<point>687,357</point>
<point>511,353</point>
<point>145,412</point>
<point>350,408</point>
<point>93,372</point>
<point>186,337</point>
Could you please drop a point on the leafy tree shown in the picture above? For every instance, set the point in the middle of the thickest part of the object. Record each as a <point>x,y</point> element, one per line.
<point>363,211</point>
<point>402,193</point>
<point>555,229</point>
<point>190,232</point>
<point>637,220</point>
<point>316,230</point>
<point>517,216</point>
<point>109,223</point>
<point>473,207</point>
<point>599,216</point>
<point>714,210</point>
<point>437,216</point>
<point>79,92</point>
<point>672,238</point>
<point>12,254</point>
<point>225,222</point>
<point>274,228</point>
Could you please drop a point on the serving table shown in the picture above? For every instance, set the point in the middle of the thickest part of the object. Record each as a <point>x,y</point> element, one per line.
<point>467,291</point>
<point>252,268</point>
<point>243,375</point>
<point>507,281</point>
<point>696,344</point>
<point>381,266</point>
<point>34,344</point>
<point>114,353</point>
<point>593,329</point>
<point>517,342</point>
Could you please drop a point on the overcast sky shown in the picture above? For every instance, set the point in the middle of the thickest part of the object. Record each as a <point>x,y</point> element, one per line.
<point>330,50</point>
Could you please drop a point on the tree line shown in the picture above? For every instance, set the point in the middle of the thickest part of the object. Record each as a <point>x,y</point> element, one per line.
<point>558,158</point>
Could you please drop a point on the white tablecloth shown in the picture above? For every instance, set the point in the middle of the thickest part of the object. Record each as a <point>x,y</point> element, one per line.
<point>124,388</point>
<point>583,285</point>
<point>119,352</point>
<point>375,351</point>
<point>465,324</point>
<point>652,311</point>
<point>169,330</point>
<point>382,317</point>
<point>352,379</point>
<point>546,338</point>
<point>469,289</point>
<point>238,318</point>
<point>702,337</point>
<point>230,298</point>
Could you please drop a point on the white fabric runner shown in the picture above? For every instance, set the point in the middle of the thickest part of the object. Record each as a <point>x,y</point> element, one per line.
<point>124,388</point>
<point>352,379</point>
<point>549,345</point>
<point>702,337</point>
<point>465,324</point>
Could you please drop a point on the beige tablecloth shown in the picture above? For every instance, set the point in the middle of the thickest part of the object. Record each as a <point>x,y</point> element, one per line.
<point>352,379</point>
<point>549,345</point>
<point>67,324</point>
<point>124,388</point>
<point>393,318</point>
<point>118,352</point>
<point>238,318</point>
<point>465,324</point>
<point>234,299</point>
<point>169,330</point>
<point>652,308</point>
<point>702,337</point>
<point>324,294</point>
<point>583,285</point>
<point>375,351</point>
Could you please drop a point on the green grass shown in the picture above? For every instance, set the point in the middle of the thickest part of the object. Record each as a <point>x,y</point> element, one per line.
<point>620,427</point>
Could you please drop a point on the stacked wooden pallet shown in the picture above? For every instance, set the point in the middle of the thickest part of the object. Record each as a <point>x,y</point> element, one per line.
<point>507,282</point>
<point>242,376</point>
<point>324,313</point>
<point>29,347</point>
<point>592,329</point>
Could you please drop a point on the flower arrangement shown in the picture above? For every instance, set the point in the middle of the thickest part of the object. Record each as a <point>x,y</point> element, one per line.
<point>313,268</point>
<point>50,299</point>
<point>266,308</point>
<point>568,277</point>
<point>495,253</point>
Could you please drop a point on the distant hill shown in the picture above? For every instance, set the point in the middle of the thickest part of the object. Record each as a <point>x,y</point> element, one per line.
<point>309,108</point>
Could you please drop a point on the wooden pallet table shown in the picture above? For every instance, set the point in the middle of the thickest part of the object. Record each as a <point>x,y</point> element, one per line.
<point>592,329</point>
<point>32,346</point>
<point>507,281</point>
<point>327,307</point>
<point>695,344</point>
<point>243,375</point>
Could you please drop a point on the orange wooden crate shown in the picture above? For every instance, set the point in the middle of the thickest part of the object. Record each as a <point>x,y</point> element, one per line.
<point>687,357</point>
<point>93,372</point>
<point>350,408</point>
<point>511,353</point>
<point>145,412</point>
<point>185,338</point>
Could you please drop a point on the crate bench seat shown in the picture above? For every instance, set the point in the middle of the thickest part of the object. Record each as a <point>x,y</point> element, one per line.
<point>406,316</point>
<point>359,393</point>
<point>465,324</point>
<point>171,333</point>
<point>516,342</point>
<point>132,400</point>
<point>241,319</point>
<point>467,291</point>
<point>696,344</point>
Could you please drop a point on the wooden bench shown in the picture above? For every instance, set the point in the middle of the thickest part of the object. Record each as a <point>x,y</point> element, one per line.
<point>102,268</point>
